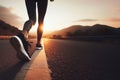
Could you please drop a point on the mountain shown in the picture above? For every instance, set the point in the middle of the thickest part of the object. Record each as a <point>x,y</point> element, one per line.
<point>97,30</point>
<point>7,29</point>
<point>71,29</point>
<point>78,30</point>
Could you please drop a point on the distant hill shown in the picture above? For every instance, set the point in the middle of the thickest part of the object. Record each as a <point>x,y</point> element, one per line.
<point>71,29</point>
<point>64,31</point>
<point>7,29</point>
<point>78,30</point>
<point>97,30</point>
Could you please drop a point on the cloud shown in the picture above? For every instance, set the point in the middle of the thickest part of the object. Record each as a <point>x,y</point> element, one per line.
<point>93,20</point>
<point>113,19</point>
<point>9,17</point>
<point>87,20</point>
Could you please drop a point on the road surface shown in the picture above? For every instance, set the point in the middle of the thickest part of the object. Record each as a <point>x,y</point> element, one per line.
<point>79,60</point>
<point>67,60</point>
<point>11,68</point>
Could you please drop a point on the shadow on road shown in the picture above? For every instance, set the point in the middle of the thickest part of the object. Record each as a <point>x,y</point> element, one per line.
<point>10,65</point>
<point>11,72</point>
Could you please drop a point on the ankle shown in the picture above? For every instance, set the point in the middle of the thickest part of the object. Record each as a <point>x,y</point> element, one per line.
<point>38,42</point>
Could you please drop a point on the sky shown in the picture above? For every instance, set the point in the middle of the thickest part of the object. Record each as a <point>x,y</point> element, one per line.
<point>63,13</point>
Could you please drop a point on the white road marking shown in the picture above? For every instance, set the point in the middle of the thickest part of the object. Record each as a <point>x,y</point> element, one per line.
<point>36,69</point>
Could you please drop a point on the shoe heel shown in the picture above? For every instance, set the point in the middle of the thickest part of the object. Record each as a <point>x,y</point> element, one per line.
<point>22,55</point>
<point>14,42</point>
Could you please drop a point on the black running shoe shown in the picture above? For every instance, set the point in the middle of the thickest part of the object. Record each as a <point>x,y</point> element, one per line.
<point>21,46</point>
<point>38,46</point>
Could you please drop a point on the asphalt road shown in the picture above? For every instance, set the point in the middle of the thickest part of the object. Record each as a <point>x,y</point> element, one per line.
<point>68,60</point>
<point>10,65</point>
<point>79,60</point>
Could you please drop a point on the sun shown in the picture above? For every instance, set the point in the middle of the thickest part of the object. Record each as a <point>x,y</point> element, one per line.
<point>46,28</point>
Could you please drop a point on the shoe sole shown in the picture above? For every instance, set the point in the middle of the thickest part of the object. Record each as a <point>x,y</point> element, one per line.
<point>18,46</point>
<point>38,48</point>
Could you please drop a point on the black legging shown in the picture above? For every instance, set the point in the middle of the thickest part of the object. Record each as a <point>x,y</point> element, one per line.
<point>31,9</point>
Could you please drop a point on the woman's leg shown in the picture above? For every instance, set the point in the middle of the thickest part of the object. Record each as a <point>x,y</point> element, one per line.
<point>42,7</point>
<point>31,9</point>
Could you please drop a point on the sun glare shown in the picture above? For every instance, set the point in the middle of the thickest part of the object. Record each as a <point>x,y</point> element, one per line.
<point>46,28</point>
